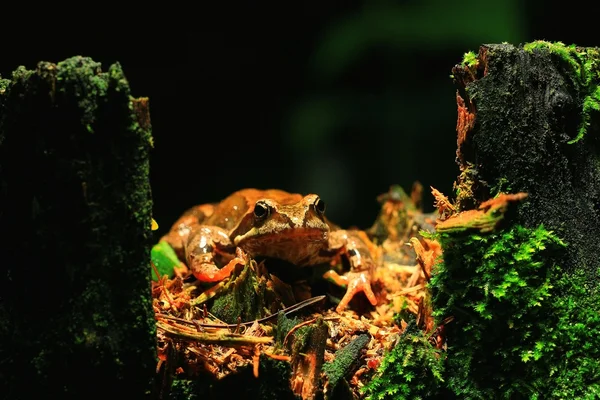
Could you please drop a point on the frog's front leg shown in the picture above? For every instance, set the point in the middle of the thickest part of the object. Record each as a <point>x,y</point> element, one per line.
<point>207,244</point>
<point>354,245</point>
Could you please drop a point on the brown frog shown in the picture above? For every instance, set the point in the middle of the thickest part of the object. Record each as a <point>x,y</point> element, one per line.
<point>275,224</point>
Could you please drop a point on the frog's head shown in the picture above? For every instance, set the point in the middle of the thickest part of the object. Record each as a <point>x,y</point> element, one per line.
<point>284,228</point>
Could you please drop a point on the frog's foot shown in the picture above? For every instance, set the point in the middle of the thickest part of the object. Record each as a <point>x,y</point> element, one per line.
<point>205,270</point>
<point>355,282</point>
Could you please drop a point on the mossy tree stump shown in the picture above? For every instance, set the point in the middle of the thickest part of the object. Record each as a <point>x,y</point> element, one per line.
<point>75,212</point>
<point>526,296</point>
<point>530,121</point>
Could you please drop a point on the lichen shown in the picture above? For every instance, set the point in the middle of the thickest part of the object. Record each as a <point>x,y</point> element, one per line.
<point>465,187</point>
<point>585,69</point>
<point>523,327</point>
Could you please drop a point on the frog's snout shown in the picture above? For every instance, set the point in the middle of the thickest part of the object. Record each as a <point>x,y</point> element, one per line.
<point>297,222</point>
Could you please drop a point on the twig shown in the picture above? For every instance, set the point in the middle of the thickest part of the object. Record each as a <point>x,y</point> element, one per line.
<point>308,322</point>
<point>223,339</point>
<point>255,361</point>
<point>286,311</point>
<point>278,357</point>
<point>409,290</point>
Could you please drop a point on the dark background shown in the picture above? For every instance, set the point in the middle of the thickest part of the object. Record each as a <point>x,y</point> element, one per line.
<point>337,98</point>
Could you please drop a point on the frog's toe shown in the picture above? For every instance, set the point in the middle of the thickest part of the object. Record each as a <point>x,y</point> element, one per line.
<point>357,282</point>
<point>209,272</point>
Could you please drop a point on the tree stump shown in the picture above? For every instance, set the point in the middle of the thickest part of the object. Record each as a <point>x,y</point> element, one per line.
<point>75,212</point>
<point>525,294</point>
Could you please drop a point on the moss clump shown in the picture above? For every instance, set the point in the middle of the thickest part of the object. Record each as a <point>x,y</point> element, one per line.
<point>243,298</point>
<point>523,327</point>
<point>470,59</point>
<point>3,84</point>
<point>345,359</point>
<point>301,339</point>
<point>284,326</point>
<point>413,369</point>
<point>585,71</point>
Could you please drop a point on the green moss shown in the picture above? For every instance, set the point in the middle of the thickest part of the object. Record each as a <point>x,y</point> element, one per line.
<point>523,327</point>
<point>345,359</point>
<point>470,63</point>
<point>3,84</point>
<point>567,53</point>
<point>405,314</point>
<point>413,369</point>
<point>21,74</point>
<point>284,325</point>
<point>87,97</point>
<point>502,186</point>
<point>590,103</point>
<point>585,68</point>
<point>242,299</point>
<point>470,59</point>
<point>301,338</point>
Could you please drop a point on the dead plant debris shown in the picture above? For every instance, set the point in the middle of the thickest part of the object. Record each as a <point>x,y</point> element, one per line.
<point>194,342</point>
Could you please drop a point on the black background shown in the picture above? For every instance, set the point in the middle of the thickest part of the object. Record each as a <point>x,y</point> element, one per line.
<point>228,86</point>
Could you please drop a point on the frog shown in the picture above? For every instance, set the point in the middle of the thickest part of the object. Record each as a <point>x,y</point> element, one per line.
<point>214,238</point>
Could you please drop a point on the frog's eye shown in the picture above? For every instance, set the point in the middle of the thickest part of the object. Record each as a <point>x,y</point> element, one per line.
<point>320,206</point>
<point>261,210</point>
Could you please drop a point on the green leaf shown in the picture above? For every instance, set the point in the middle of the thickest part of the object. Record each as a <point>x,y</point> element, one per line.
<point>164,258</point>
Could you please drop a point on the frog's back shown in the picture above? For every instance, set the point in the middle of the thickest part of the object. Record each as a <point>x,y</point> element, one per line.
<point>280,196</point>
<point>230,211</point>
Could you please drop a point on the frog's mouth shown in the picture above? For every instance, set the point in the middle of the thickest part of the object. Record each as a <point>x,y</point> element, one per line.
<point>284,235</point>
<point>298,246</point>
